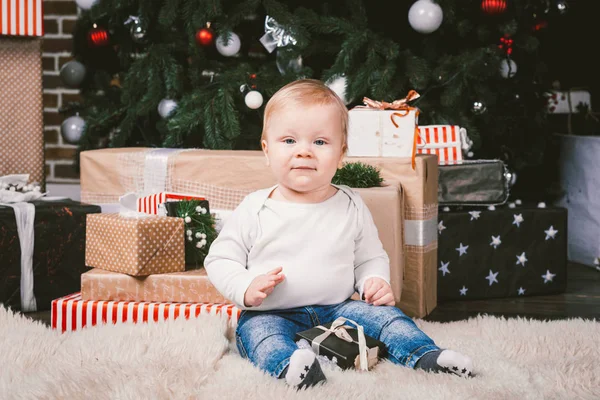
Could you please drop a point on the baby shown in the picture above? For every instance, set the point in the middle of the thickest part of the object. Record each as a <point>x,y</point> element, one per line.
<point>292,255</point>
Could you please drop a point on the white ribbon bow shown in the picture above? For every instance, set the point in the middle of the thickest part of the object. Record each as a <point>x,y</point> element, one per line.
<point>339,329</point>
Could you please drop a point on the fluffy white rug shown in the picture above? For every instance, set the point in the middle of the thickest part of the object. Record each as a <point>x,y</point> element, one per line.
<point>514,359</point>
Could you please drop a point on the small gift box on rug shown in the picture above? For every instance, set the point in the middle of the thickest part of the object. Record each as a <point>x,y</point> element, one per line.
<point>71,313</point>
<point>348,345</point>
<point>180,287</point>
<point>135,245</point>
<point>446,141</point>
<point>381,129</point>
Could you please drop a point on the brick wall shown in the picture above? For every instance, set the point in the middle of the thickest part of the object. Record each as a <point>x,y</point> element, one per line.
<point>59,20</point>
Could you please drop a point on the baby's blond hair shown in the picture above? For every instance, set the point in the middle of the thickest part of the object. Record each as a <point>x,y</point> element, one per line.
<point>307,92</point>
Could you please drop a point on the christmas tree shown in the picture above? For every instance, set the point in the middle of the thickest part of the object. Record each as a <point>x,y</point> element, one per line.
<point>196,73</point>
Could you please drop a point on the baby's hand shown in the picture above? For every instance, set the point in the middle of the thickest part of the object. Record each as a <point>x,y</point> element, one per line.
<point>262,286</point>
<point>378,292</point>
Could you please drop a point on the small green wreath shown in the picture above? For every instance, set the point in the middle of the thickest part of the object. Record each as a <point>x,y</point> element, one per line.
<point>358,175</point>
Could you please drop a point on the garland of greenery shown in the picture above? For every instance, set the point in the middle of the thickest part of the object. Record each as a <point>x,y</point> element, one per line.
<point>358,175</point>
<point>199,229</point>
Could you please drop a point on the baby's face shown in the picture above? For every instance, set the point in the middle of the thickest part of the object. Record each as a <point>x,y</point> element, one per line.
<point>304,146</point>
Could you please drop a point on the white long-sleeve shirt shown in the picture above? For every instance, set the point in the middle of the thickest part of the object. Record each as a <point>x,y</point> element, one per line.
<point>327,250</point>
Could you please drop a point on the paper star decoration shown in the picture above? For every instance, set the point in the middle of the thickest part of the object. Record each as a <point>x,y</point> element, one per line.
<point>551,232</point>
<point>444,268</point>
<point>495,241</point>
<point>441,227</point>
<point>521,259</point>
<point>463,291</point>
<point>492,277</point>
<point>474,214</point>
<point>548,276</point>
<point>521,291</point>
<point>462,250</point>
<point>518,219</point>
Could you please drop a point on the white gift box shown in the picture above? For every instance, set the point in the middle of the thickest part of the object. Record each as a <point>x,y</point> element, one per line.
<point>381,129</point>
<point>566,101</point>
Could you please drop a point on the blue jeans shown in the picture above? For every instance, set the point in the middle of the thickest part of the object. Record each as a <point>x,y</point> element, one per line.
<point>266,338</point>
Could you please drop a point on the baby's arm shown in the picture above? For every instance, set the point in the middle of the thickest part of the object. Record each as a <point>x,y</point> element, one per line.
<point>370,259</point>
<point>226,261</point>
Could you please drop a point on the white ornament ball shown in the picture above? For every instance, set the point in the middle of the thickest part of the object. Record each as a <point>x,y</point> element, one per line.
<point>187,220</point>
<point>446,209</point>
<point>508,68</point>
<point>166,107</point>
<point>491,208</point>
<point>86,4</point>
<point>72,128</point>
<point>338,85</point>
<point>512,205</point>
<point>253,99</point>
<point>228,48</point>
<point>470,154</point>
<point>518,202</point>
<point>425,16</point>
<point>541,204</point>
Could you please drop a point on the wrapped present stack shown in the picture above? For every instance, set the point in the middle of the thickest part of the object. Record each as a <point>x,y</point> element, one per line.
<point>146,264</point>
<point>484,247</point>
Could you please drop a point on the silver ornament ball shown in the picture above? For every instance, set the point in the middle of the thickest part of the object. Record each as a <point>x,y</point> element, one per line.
<point>338,85</point>
<point>86,4</point>
<point>253,99</point>
<point>166,107</point>
<point>478,107</point>
<point>72,73</point>
<point>508,68</point>
<point>425,16</point>
<point>285,64</point>
<point>72,128</point>
<point>228,48</point>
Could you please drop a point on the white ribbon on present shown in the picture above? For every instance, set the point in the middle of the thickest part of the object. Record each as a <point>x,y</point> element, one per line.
<point>339,329</point>
<point>418,232</point>
<point>25,218</point>
<point>156,170</point>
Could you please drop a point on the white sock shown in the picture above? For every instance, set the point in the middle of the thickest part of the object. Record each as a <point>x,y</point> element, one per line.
<point>304,369</point>
<point>456,363</point>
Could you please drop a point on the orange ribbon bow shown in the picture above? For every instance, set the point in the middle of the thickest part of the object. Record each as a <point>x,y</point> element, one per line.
<point>403,109</point>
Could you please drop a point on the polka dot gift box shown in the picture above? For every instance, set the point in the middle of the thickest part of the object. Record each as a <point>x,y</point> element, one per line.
<point>135,246</point>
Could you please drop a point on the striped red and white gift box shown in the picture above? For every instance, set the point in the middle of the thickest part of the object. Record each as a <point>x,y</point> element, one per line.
<point>21,18</point>
<point>149,204</point>
<point>443,140</point>
<point>71,313</point>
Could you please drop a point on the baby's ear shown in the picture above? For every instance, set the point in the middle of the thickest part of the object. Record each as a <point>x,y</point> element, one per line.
<point>265,149</point>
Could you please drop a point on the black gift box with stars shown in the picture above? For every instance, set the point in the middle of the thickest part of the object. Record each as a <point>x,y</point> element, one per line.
<point>504,251</point>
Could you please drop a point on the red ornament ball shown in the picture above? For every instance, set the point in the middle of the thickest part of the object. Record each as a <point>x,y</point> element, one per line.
<point>98,37</point>
<point>205,37</point>
<point>493,7</point>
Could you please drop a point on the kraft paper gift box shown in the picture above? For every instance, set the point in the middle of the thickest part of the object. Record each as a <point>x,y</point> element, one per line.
<point>225,177</point>
<point>71,313</point>
<point>135,245</point>
<point>180,287</point>
<point>21,112</point>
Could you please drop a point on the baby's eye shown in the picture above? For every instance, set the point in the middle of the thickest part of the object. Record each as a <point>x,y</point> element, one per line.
<point>319,142</point>
<point>289,141</point>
